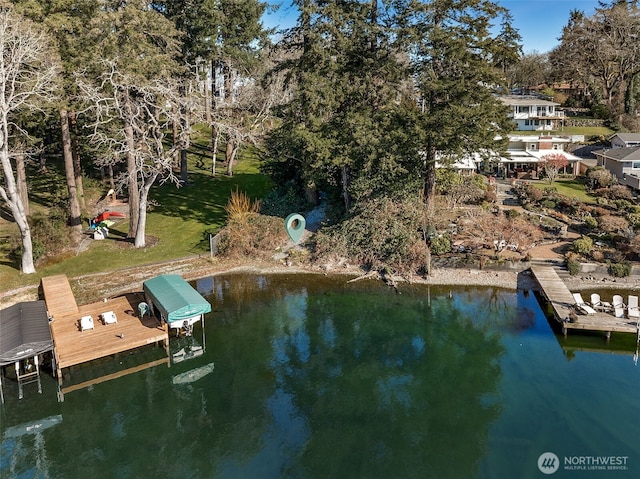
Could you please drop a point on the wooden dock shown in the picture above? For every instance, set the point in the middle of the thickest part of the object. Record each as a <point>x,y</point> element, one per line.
<point>73,346</point>
<point>58,295</point>
<point>562,302</point>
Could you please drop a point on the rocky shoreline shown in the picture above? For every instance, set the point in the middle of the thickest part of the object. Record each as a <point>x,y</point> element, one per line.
<point>91,288</point>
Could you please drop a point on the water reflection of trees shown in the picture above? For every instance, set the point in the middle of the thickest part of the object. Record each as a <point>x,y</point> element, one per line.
<point>392,389</point>
<point>309,381</point>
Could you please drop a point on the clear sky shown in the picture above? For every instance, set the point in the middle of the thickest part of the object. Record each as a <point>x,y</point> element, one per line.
<point>539,22</point>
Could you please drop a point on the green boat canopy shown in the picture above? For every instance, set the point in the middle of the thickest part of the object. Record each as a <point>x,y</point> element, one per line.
<point>175,298</point>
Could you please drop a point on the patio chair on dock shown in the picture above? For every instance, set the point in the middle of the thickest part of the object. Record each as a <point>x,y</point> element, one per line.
<point>598,304</point>
<point>618,306</point>
<point>143,308</point>
<point>632,308</point>
<point>582,306</point>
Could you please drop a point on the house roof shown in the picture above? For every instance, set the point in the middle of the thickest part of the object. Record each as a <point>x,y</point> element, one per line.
<point>629,153</point>
<point>516,100</point>
<point>544,152</point>
<point>175,298</point>
<point>626,136</point>
<point>538,139</point>
<point>25,331</point>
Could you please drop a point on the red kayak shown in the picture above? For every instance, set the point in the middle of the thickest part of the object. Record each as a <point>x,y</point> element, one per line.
<point>108,214</point>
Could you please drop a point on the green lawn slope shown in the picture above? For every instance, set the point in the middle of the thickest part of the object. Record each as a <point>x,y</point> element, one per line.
<point>178,225</point>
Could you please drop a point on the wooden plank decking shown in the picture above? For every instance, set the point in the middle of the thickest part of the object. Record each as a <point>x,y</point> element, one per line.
<point>562,302</point>
<point>58,295</point>
<point>73,346</point>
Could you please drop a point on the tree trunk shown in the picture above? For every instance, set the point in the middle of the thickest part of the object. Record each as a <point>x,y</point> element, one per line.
<point>226,89</point>
<point>207,102</point>
<point>231,155</point>
<point>21,182</point>
<point>184,142</point>
<point>345,188</point>
<point>75,221</point>
<point>429,187</point>
<point>12,198</point>
<point>174,136</point>
<point>183,166</point>
<point>215,137</point>
<point>132,171</point>
<point>140,238</point>
<point>75,153</point>
<point>42,159</point>
<point>112,183</point>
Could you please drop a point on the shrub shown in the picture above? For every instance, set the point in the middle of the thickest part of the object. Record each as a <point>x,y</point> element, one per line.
<point>251,234</point>
<point>380,233</point>
<point>440,244</point>
<point>633,219</point>
<point>240,207</point>
<point>533,193</point>
<point>511,214</point>
<point>600,177</point>
<point>491,196</point>
<point>282,202</point>
<point>613,224</point>
<point>582,245</point>
<point>549,204</point>
<point>573,266</point>
<point>590,222</point>
<point>621,192</point>
<point>597,255</point>
<point>620,270</point>
<point>598,211</point>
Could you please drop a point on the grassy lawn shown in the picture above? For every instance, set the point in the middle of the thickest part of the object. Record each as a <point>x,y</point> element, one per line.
<point>180,221</point>
<point>573,188</point>
<point>570,130</point>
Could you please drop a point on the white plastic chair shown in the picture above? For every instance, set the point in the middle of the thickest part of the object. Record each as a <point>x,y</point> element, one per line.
<point>618,306</point>
<point>581,305</point>
<point>598,304</point>
<point>632,307</point>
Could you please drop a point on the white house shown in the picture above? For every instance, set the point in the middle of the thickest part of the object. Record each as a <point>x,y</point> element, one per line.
<point>531,113</point>
<point>623,163</point>
<point>526,153</point>
<point>624,140</point>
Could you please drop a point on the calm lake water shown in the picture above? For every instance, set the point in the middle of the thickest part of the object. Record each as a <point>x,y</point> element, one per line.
<point>315,377</point>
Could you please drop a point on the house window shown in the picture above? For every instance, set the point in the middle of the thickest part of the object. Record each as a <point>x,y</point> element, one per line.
<point>533,146</point>
<point>636,165</point>
<point>527,122</point>
<point>556,146</point>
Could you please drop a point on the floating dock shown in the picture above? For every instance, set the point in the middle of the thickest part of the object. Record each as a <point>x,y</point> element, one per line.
<point>558,295</point>
<point>74,345</point>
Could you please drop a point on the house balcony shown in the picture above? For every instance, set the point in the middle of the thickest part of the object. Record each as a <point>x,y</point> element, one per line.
<point>556,115</point>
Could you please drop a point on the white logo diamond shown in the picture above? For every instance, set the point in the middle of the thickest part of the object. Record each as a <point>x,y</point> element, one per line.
<point>548,463</point>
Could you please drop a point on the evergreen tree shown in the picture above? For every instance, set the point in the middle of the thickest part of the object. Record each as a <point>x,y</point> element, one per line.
<point>453,50</point>
<point>342,131</point>
<point>602,50</point>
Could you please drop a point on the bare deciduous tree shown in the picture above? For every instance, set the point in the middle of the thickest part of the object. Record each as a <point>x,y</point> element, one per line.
<point>135,119</point>
<point>243,120</point>
<point>27,78</point>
